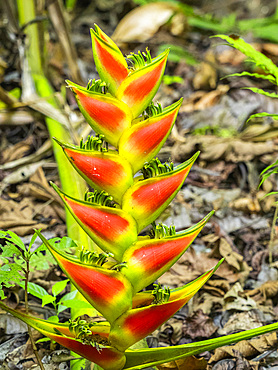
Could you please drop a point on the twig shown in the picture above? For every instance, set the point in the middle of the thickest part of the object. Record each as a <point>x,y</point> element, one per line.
<point>34,347</point>
<point>272,236</point>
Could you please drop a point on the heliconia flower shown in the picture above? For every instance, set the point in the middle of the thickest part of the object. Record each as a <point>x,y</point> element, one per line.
<point>137,323</point>
<point>140,86</point>
<point>141,142</point>
<point>112,229</point>
<point>110,62</point>
<point>106,357</point>
<point>148,198</point>
<point>103,171</point>
<point>106,290</point>
<point>104,113</point>
<point>148,259</point>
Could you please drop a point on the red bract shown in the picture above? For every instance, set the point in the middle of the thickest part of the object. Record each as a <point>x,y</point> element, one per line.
<point>141,142</point>
<point>137,323</point>
<point>147,199</point>
<point>102,170</point>
<point>117,208</point>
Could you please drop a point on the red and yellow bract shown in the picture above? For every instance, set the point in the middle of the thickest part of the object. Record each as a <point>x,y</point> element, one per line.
<point>112,108</point>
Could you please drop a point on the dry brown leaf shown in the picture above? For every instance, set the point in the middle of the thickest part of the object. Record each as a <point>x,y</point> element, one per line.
<point>187,363</point>
<point>246,348</point>
<point>19,217</point>
<point>246,204</point>
<point>143,22</point>
<point>39,188</point>
<point>214,148</point>
<point>240,321</point>
<point>198,325</point>
<point>206,75</point>
<point>267,290</point>
<point>236,299</point>
<point>16,151</point>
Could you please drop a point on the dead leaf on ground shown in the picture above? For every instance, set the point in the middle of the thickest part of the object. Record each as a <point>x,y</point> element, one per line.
<point>19,216</point>
<point>198,325</point>
<point>187,363</point>
<point>39,188</point>
<point>240,321</point>
<point>16,151</point>
<point>236,299</point>
<point>221,248</point>
<point>206,75</point>
<point>267,290</point>
<point>246,348</point>
<point>215,148</point>
<point>201,100</point>
<point>143,22</point>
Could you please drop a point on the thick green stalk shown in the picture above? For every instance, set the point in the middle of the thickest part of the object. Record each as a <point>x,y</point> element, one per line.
<point>71,182</point>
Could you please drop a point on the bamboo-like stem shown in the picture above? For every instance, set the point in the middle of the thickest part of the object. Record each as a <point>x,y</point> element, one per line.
<point>71,182</point>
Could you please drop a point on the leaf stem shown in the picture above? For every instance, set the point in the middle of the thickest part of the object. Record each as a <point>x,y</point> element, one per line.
<point>34,347</point>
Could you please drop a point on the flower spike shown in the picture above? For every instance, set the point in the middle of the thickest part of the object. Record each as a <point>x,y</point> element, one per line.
<point>148,198</point>
<point>112,229</point>
<point>106,290</point>
<point>107,171</point>
<point>106,357</point>
<point>137,323</point>
<point>142,142</point>
<point>104,113</point>
<point>110,62</point>
<point>139,87</point>
<point>146,260</point>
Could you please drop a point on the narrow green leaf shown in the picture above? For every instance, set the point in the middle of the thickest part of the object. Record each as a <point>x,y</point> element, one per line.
<point>141,359</point>
<point>263,114</point>
<point>262,92</point>
<point>256,57</point>
<point>256,75</point>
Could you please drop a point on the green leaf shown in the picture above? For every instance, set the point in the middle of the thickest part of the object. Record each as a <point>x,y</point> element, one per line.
<point>76,303</point>
<point>12,237</point>
<point>141,359</point>
<point>256,75</point>
<point>59,287</point>
<point>262,92</point>
<point>262,114</point>
<point>34,289</point>
<point>9,250</point>
<point>47,299</point>
<point>256,57</point>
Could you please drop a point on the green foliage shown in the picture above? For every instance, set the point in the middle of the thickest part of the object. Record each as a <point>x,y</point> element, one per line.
<point>215,130</point>
<point>169,80</point>
<point>178,54</point>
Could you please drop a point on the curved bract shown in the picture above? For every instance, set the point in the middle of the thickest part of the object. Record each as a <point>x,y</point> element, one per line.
<point>119,206</point>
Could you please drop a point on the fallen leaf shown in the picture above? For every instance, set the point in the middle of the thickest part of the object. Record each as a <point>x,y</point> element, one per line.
<point>246,348</point>
<point>198,325</point>
<point>191,363</point>
<point>206,75</point>
<point>236,299</point>
<point>143,22</point>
